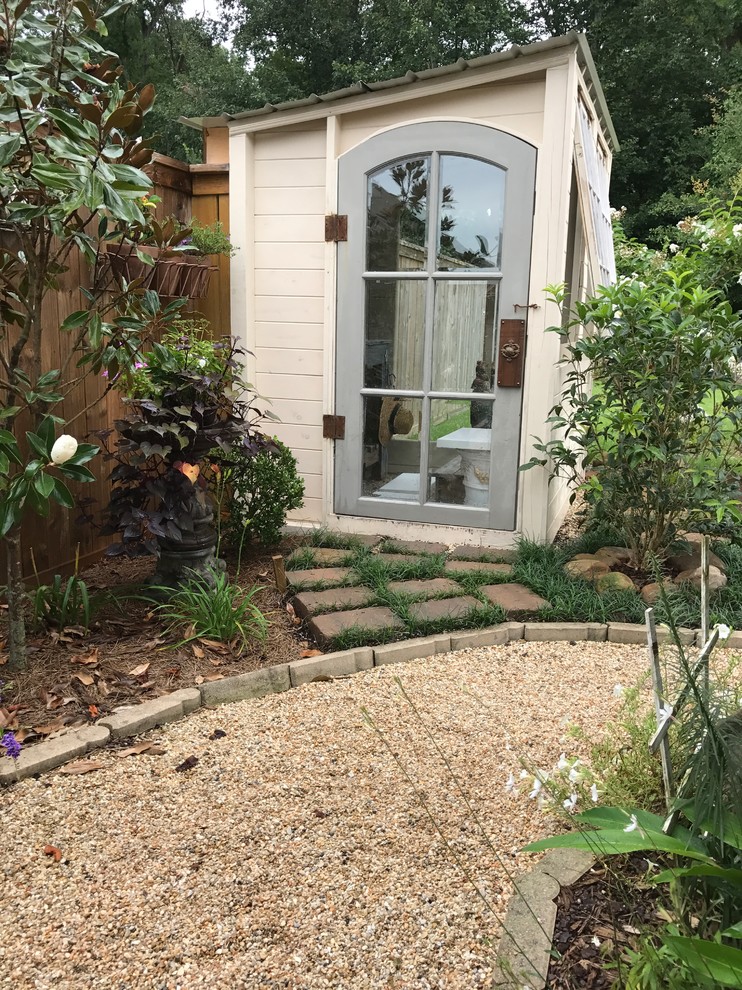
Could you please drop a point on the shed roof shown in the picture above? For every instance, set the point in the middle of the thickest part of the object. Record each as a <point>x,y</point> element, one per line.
<point>571,40</point>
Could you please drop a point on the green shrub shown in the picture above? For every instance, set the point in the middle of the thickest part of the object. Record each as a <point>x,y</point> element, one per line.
<point>64,603</point>
<point>658,433</point>
<point>262,489</point>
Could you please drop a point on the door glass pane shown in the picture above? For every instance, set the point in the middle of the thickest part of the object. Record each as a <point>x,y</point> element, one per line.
<point>395,324</point>
<point>391,447</point>
<point>464,333</point>
<point>459,454</point>
<point>397,216</point>
<point>472,208</point>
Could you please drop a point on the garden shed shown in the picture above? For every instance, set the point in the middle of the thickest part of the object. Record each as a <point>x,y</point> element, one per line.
<point>394,242</point>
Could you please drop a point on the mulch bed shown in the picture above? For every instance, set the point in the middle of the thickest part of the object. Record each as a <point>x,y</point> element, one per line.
<point>598,918</point>
<point>127,657</point>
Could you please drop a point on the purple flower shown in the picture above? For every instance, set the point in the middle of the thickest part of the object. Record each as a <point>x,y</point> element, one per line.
<point>139,364</point>
<point>104,374</point>
<point>11,744</point>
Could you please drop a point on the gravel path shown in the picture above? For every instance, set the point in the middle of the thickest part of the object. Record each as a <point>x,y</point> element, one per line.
<point>295,854</point>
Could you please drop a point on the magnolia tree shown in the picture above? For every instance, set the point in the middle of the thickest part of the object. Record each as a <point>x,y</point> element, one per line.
<point>71,181</point>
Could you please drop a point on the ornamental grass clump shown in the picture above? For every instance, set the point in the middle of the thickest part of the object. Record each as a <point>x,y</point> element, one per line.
<point>647,422</point>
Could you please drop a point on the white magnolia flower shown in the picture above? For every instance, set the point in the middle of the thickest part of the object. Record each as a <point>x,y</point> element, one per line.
<point>674,248</point>
<point>570,803</point>
<point>536,790</point>
<point>510,784</point>
<point>618,691</point>
<point>563,762</point>
<point>594,793</point>
<point>64,448</point>
<point>724,631</point>
<point>737,229</point>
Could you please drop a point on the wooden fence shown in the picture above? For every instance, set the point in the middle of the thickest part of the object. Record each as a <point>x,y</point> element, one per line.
<point>186,191</point>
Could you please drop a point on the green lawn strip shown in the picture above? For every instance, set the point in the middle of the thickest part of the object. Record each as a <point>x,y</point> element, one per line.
<point>357,636</point>
<point>472,581</point>
<point>328,538</point>
<point>301,559</point>
<point>320,585</point>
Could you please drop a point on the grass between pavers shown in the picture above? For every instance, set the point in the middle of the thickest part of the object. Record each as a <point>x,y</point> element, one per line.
<point>356,636</point>
<point>540,568</point>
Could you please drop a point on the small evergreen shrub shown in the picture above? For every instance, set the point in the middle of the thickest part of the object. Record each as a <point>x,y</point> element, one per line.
<point>262,490</point>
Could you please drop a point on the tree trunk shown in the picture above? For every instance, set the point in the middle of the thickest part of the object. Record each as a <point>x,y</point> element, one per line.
<point>16,594</point>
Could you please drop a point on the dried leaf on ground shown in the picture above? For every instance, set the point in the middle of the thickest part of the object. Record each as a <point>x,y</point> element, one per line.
<point>218,734</point>
<point>214,644</point>
<point>85,679</point>
<point>46,730</point>
<point>94,711</point>
<point>197,652</point>
<point>140,671</point>
<point>151,749</point>
<point>89,659</point>
<point>305,654</point>
<point>82,766</point>
<point>53,851</point>
<point>214,677</point>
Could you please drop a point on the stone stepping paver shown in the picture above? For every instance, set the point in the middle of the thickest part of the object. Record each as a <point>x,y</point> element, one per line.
<point>325,627</point>
<point>308,602</point>
<point>518,601</point>
<point>482,553</point>
<point>418,546</point>
<point>444,608</point>
<point>329,557</point>
<point>397,558</point>
<point>319,576</point>
<point>476,567</point>
<point>428,588</point>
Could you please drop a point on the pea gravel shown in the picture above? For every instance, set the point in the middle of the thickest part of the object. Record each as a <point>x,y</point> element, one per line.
<point>295,854</point>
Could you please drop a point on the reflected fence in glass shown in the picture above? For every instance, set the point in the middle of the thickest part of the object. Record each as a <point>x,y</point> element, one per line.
<point>394,334</point>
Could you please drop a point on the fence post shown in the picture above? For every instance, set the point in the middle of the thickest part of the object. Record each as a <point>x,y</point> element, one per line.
<point>659,703</point>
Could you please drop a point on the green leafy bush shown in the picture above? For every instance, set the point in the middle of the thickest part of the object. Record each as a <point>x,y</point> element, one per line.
<point>650,409</point>
<point>262,489</point>
<point>63,603</point>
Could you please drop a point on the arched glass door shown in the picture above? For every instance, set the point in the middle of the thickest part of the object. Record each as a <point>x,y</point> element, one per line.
<point>436,259</point>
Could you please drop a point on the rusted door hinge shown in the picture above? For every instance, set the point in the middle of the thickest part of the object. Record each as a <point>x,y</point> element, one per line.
<point>333,427</point>
<point>336,227</point>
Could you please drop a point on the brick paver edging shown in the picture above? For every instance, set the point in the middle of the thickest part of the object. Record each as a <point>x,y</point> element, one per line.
<point>130,721</point>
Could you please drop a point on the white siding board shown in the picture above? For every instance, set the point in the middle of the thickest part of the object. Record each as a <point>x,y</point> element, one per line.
<point>285,202</point>
<point>290,256</point>
<point>289,309</point>
<point>282,282</point>
<point>308,336</point>
<point>308,462</point>
<point>291,229</point>
<point>290,144</point>
<point>289,361</point>
<point>298,412</point>
<point>311,511</point>
<point>298,437</point>
<point>292,173</point>
<point>289,386</point>
<point>312,487</point>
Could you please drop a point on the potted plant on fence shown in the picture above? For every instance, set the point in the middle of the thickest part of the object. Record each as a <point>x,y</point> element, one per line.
<point>186,396</point>
<point>178,259</point>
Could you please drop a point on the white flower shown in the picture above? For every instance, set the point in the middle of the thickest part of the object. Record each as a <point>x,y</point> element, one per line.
<point>618,691</point>
<point>202,362</point>
<point>64,448</point>
<point>674,248</point>
<point>537,785</point>
<point>737,229</point>
<point>563,762</point>
<point>634,826</point>
<point>570,803</point>
<point>510,785</point>
<point>724,631</point>
<point>594,793</point>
